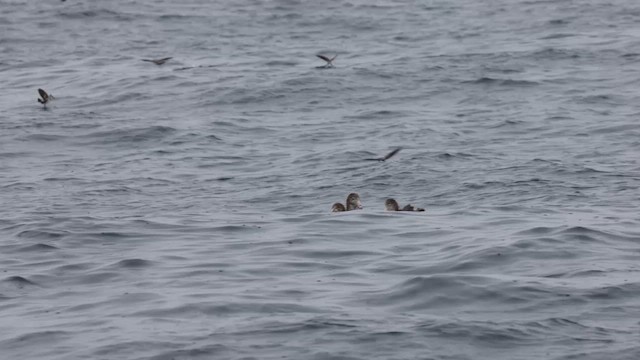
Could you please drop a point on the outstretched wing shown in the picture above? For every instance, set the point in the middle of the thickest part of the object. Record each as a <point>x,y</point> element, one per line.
<point>325,58</point>
<point>386,157</point>
<point>43,95</point>
<point>389,155</point>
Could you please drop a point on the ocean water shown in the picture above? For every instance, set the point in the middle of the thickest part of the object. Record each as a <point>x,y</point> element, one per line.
<point>182,211</point>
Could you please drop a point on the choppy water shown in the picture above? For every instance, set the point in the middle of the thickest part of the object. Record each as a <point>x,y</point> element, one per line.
<point>182,211</point>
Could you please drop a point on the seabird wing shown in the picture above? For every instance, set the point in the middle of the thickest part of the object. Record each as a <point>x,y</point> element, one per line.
<point>43,94</point>
<point>324,58</point>
<point>386,157</point>
<point>389,155</point>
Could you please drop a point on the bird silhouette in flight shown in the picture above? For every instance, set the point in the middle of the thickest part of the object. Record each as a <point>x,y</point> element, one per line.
<point>158,61</point>
<point>329,60</point>
<point>386,157</point>
<point>44,97</point>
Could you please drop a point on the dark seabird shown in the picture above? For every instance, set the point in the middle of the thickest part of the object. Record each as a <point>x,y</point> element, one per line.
<point>329,61</point>
<point>392,205</point>
<point>353,203</point>
<point>44,97</point>
<point>386,157</point>
<point>158,61</point>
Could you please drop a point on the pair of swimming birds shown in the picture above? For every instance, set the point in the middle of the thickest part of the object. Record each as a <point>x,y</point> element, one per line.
<point>354,203</point>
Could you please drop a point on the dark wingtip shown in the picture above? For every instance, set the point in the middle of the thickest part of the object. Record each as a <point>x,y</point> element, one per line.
<point>324,58</point>
<point>392,153</point>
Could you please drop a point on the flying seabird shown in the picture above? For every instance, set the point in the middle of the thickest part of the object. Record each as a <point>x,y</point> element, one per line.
<point>329,61</point>
<point>44,97</point>
<point>386,157</point>
<point>158,61</point>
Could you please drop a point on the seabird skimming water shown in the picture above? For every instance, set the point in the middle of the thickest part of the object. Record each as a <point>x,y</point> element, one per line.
<point>329,61</point>
<point>158,61</point>
<point>386,157</point>
<point>44,97</point>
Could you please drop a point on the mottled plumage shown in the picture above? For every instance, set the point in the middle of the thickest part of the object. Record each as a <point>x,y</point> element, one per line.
<point>352,203</point>
<point>392,205</point>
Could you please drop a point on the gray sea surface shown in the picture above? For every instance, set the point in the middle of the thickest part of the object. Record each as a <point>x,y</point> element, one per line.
<point>182,211</point>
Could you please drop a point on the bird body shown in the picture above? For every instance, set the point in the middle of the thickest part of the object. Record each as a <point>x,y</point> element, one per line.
<point>352,203</point>
<point>392,205</point>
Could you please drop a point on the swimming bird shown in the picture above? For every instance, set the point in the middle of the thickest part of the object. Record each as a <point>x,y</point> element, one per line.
<point>44,97</point>
<point>353,203</point>
<point>386,157</point>
<point>329,61</point>
<point>158,61</point>
<point>392,205</point>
